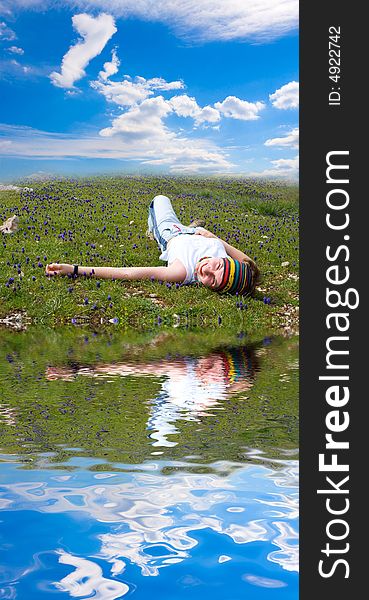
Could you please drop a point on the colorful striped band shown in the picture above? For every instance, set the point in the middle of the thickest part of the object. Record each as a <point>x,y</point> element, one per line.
<point>237,277</point>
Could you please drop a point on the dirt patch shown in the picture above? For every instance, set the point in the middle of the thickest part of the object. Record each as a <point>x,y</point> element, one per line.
<point>288,319</point>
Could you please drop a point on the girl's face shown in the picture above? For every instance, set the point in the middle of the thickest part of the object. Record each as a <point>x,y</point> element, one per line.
<point>210,370</point>
<point>209,272</point>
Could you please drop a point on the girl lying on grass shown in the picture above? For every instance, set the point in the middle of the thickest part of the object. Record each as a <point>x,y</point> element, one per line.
<point>193,254</point>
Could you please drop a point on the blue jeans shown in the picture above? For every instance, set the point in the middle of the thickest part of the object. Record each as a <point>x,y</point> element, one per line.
<point>163,222</point>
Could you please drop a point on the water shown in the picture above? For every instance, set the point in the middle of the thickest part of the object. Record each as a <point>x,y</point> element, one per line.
<point>129,471</point>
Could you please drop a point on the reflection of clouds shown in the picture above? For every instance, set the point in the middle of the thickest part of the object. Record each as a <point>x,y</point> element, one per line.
<point>287,540</point>
<point>285,506</point>
<point>149,552</point>
<point>263,581</point>
<point>177,541</point>
<point>155,519</point>
<point>224,558</point>
<point>140,497</point>
<point>87,579</point>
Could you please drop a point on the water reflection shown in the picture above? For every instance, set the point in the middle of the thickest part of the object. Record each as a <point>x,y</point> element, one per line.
<point>190,386</point>
<point>128,471</point>
<point>153,523</point>
<point>125,403</point>
<point>87,580</point>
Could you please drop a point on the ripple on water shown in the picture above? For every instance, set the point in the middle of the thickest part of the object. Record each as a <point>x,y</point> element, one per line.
<point>108,539</point>
<point>146,477</point>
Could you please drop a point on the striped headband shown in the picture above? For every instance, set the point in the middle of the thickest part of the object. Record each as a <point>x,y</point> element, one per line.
<point>237,364</point>
<point>237,277</point>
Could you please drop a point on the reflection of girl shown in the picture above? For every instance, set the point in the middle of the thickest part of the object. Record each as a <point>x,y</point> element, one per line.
<point>203,385</point>
<point>191,386</point>
<point>192,253</point>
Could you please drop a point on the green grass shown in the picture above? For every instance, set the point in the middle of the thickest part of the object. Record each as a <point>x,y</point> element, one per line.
<point>106,417</point>
<point>102,221</point>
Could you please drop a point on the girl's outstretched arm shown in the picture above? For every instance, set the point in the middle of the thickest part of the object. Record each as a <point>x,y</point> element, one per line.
<point>175,272</point>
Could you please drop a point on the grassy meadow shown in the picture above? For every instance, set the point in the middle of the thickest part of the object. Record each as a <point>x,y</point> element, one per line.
<point>102,221</point>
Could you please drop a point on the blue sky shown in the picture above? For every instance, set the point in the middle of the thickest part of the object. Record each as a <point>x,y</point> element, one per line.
<point>101,86</point>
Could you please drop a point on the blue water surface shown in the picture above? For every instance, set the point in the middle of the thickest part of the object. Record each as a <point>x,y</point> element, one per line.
<point>148,478</point>
<point>109,535</point>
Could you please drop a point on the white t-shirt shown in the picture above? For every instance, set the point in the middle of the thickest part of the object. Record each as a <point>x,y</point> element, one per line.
<point>185,397</point>
<point>189,249</point>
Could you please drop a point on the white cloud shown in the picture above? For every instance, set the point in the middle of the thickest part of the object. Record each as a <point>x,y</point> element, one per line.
<point>185,106</point>
<point>133,93</point>
<point>123,93</point>
<point>127,93</point>
<point>286,163</point>
<point>95,32</point>
<point>5,144</point>
<point>286,97</point>
<point>144,120</point>
<point>110,68</point>
<point>15,50</point>
<point>157,145</point>
<point>6,33</point>
<point>235,108</point>
<point>207,114</point>
<point>207,20</point>
<point>141,137</point>
<point>7,6</point>
<point>157,83</point>
<point>220,20</point>
<point>290,140</point>
<point>15,69</point>
<point>285,168</point>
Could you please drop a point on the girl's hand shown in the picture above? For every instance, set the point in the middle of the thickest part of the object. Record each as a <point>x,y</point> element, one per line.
<point>59,269</point>
<point>205,232</point>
